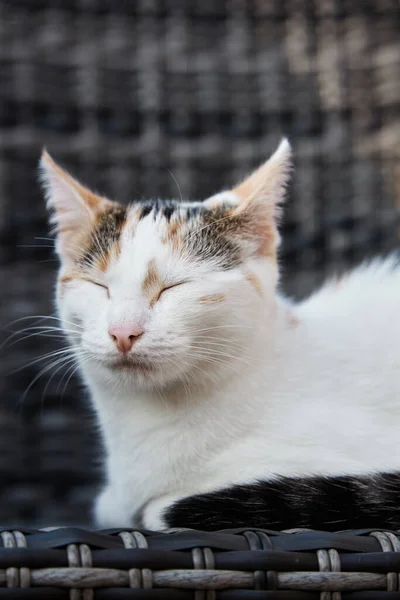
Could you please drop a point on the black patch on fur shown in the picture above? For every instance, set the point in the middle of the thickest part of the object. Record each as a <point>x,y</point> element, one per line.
<point>212,234</point>
<point>106,233</point>
<point>216,236</point>
<point>325,503</point>
<point>165,208</point>
<point>146,208</point>
<point>168,212</point>
<point>208,245</point>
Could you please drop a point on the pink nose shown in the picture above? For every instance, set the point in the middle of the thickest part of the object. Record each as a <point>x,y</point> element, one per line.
<point>125,336</point>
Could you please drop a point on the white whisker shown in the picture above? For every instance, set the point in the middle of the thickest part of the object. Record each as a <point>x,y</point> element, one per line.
<point>177,184</point>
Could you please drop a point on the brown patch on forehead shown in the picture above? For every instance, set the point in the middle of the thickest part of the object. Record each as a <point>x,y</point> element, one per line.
<point>255,282</point>
<point>175,235</point>
<point>104,239</point>
<point>152,283</point>
<point>212,299</point>
<point>174,228</point>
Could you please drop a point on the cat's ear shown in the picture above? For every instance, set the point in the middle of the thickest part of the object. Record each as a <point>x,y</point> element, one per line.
<point>72,206</point>
<point>256,202</point>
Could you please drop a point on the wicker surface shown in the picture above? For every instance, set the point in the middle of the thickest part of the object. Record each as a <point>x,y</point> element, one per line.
<point>123,92</point>
<point>185,565</point>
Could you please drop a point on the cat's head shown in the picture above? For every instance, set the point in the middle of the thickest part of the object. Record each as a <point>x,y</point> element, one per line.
<point>163,291</point>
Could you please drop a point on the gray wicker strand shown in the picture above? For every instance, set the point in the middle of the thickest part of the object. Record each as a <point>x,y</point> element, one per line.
<point>80,557</point>
<point>12,573</point>
<point>335,566</point>
<point>16,577</point>
<point>396,548</point>
<point>263,580</point>
<point>86,562</point>
<point>138,578</point>
<point>324,566</point>
<point>74,561</point>
<point>272,579</point>
<point>387,546</point>
<point>328,561</point>
<point>24,572</point>
<point>203,558</point>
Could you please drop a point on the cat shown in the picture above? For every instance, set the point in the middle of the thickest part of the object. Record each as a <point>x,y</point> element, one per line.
<point>221,402</point>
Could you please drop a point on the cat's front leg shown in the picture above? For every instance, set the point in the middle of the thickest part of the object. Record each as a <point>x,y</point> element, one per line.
<point>112,509</point>
<point>154,516</point>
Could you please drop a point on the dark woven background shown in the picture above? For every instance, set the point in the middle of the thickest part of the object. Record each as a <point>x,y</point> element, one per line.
<point>124,92</point>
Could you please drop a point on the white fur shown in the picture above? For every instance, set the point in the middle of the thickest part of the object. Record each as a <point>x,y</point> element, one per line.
<point>315,389</point>
<point>284,389</point>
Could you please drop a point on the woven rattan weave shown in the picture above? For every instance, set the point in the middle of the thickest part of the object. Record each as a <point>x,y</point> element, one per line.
<point>77,564</point>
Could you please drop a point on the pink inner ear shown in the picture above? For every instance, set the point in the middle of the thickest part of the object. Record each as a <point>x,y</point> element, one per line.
<point>266,185</point>
<point>74,207</point>
<point>58,183</point>
<point>222,198</point>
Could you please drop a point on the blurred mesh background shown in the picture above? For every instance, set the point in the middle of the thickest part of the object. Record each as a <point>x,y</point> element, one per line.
<point>122,93</point>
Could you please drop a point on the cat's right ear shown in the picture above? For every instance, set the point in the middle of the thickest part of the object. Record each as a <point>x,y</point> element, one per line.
<point>72,206</point>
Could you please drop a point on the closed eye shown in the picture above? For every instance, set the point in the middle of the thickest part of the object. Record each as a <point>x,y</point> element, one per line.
<point>171,287</point>
<point>167,288</point>
<point>99,284</point>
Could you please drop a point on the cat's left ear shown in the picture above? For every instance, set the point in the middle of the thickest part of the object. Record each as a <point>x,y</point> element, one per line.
<point>73,207</point>
<point>256,202</point>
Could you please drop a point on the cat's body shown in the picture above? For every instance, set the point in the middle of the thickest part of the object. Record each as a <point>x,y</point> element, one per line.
<point>322,396</point>
<point>224,383</point>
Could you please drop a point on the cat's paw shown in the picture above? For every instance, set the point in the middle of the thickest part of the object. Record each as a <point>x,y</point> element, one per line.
<point>154,514</point>
<point>110,511</point>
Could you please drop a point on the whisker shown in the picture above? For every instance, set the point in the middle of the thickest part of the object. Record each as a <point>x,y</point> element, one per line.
<point>42,372</point>
<point>33,246</point>
<point>54,353</point>
<point>42,317</point>
<point>183,378</point>
<point>177,184</point>
<point>216,353</point>
<point>208,375</point>
<point>45,332</point>
<point>211,342</point>
<point>78,364</point>
<point>63,364</point>
<point>195,331</point>
<point>197,231</point>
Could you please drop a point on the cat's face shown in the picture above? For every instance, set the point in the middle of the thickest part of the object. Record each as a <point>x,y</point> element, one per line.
<point>166,291</point>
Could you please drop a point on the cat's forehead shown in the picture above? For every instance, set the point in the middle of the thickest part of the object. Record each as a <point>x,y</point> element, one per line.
<point>155,232</point>
<point>184,230</point>
<point>170,232</point>
<point>188,230</point>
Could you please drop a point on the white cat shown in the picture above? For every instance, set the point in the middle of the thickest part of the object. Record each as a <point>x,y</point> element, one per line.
<point>203,376</point>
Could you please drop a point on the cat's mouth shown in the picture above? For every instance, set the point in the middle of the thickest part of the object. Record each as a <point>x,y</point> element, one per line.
<point>131,363</point>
